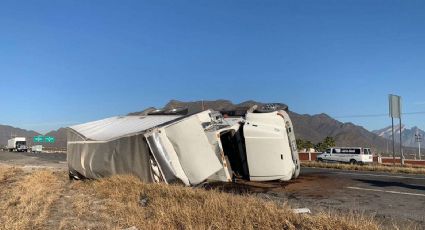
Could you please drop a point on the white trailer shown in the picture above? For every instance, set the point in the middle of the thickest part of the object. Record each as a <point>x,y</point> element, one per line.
<point>36,148</point>
<point>18,144</point>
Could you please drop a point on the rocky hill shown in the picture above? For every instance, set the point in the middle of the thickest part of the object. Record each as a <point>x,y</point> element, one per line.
<point>6,132</point>
<point>60,136</point>
<point>316,127</point>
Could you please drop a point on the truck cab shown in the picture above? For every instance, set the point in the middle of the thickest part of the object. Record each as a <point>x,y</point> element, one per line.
<point>270,146</point>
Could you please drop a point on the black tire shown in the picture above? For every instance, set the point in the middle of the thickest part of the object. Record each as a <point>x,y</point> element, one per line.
<point>353,162</point>
<point>70,176</point>
<point>320,159</point>
<point>74,175</point>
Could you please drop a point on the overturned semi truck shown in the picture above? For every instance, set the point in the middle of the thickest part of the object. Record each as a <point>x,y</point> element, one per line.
<point>188,149</point>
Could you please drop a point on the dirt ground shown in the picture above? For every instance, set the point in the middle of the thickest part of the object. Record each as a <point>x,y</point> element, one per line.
<point>46,199</point>
<point>393,199</point>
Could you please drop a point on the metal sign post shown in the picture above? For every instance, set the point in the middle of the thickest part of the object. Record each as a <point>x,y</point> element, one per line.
<point>392,125</point>
<point>401,146</point>
<point>395,112</point>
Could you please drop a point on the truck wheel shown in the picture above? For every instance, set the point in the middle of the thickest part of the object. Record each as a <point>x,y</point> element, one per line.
<point>74,175</point>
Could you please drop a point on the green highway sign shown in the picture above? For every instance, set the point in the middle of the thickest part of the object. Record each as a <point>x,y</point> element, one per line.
<point>46,139</point>
<point>49,139</point>
<point>38,139</point>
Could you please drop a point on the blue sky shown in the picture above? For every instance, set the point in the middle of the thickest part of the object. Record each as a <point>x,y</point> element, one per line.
<point>67,62</point>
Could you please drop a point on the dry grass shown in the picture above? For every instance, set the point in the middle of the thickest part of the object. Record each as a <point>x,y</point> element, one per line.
<point>8,172</point>
<point>176,207</point>
<point>373,167</point>
<point>25,200</point>
<point>45,200</point>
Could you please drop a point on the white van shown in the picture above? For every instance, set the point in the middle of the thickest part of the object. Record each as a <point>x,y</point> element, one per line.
<point>352,155</point>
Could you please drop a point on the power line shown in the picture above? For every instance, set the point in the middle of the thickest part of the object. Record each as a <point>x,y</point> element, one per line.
<point>375,115</point>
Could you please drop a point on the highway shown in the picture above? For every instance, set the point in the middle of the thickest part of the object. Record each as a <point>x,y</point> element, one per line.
<point>34,160</point>
<point>391,198</point>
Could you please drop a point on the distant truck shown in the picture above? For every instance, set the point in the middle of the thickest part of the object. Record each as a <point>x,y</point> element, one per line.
<point>37,148</point>
<point>18,144</point>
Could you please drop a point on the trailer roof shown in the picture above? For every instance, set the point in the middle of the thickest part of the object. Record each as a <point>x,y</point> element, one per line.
<point>115,127</point>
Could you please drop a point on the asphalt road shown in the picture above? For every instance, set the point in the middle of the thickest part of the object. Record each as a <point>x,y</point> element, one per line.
<point>34,160</point>
<point>398,198</point>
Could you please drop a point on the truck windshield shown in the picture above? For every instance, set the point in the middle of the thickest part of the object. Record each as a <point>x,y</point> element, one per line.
<point>21,143</point>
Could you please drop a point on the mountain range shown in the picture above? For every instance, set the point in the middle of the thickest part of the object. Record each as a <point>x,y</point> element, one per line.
<point>408,135</point>
<point>314,128</point>
<point>6,132</point>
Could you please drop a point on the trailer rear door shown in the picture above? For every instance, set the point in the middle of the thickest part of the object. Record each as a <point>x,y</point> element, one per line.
<point>197,156</point>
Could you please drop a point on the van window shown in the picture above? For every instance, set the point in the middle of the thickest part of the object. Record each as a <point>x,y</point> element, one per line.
<point>366,151</point>
<point>328,150</point>
<point>336,150</point>
<point>350,150</point>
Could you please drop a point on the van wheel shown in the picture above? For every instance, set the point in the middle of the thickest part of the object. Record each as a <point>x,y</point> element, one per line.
<point>319,159</point>
<point>353,162</point>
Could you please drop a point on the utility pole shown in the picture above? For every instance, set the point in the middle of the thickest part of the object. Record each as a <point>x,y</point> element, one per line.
<point>418,138</point>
